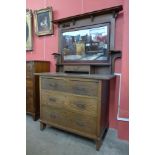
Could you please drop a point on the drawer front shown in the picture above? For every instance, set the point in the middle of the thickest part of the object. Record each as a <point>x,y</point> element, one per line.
<point>89,88</point>
<point>29,69</point>
<point>54,84</point>
<point>29,100</point>
<point>77,68</point>
<point>54,115</point>
<point>80,104</point>
<point>83,105</point>
<point>83,123</point>
<point>69,119</point>
<point>51,98</point>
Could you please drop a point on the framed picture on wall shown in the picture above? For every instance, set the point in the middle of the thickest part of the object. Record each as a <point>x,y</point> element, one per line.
<point>28,29</point>
<point>43,21</point>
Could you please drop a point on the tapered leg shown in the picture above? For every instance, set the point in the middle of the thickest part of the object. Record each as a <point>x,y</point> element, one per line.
<point>98,144</point>
<point>42,126</point>
<point>34,117</point>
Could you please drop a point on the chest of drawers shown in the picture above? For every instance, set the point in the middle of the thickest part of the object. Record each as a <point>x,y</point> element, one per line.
<point>32,86</point>
<point>78,104</point>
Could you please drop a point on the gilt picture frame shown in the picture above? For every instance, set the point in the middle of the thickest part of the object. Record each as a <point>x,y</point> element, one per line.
<point>43,21</point>
<point>29,42</point>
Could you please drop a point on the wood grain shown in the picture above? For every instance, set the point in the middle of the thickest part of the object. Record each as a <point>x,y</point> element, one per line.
<point>75,104</point>
<point>32,86</point>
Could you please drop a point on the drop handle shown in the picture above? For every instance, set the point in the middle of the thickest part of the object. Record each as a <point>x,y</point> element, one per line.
<point>80,105</point>
<point>52,99</point>
<point>52,85</point>
<point>79,88</point>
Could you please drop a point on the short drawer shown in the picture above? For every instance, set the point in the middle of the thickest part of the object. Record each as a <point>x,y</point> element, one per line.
<point>77,68</point>
<point>82,104</point>
<point>51,98</point>
<point>83,123</point>
<point>54,115</point>
<point>89,88</point>
<point>57,84</point>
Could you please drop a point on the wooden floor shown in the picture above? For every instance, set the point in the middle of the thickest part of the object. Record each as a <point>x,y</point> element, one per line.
<point>52,141</point>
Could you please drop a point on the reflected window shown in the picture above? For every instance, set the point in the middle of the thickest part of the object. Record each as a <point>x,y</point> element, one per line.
<point>86,45</point>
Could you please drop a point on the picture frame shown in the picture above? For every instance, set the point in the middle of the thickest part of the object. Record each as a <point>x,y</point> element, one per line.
<point>29,43</point>
<point>43,21</point>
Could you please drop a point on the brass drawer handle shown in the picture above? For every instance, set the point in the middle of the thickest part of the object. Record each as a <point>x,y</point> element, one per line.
<point>51,99</point>
<point>79,89</point>
<point>80,105</point>
<point>52,84</point>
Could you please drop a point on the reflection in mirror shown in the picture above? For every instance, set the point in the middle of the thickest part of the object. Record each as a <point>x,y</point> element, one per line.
<point>88,44</point>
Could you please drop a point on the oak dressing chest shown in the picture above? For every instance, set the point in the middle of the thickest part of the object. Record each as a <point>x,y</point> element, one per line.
<point>76,97</point>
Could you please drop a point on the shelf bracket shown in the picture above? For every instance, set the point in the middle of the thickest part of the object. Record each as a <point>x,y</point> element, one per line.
<point>115,14</point>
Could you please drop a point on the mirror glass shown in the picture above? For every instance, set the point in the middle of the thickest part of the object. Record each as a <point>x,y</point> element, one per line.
<point>90,44</point>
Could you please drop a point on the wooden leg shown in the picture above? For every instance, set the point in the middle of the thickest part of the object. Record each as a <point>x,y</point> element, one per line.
<point>106,130</point>
<point>98,144</point>
<point>42,126</point>
<point>34,117</point>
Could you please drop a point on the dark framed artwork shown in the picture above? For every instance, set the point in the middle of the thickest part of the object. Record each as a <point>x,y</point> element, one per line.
<point>28,30</point>
<point>43,21</point>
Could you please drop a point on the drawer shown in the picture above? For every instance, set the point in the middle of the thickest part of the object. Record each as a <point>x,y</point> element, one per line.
<point>82,104</point>
<point>54,115</point>
<point>58,84</point>
<point>83,123</point>
<point>49,97</point>
<point>29,69</point>
<point>69,119</point>
<point>89,88</point>
<point>77,68</point>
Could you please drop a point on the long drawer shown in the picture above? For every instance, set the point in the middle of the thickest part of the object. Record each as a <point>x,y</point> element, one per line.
<point>80,104</point>
<point>74,86</point>
<point>72,120</point>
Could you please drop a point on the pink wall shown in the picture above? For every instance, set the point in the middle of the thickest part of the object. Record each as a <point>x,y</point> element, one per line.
<point>44,46</point>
